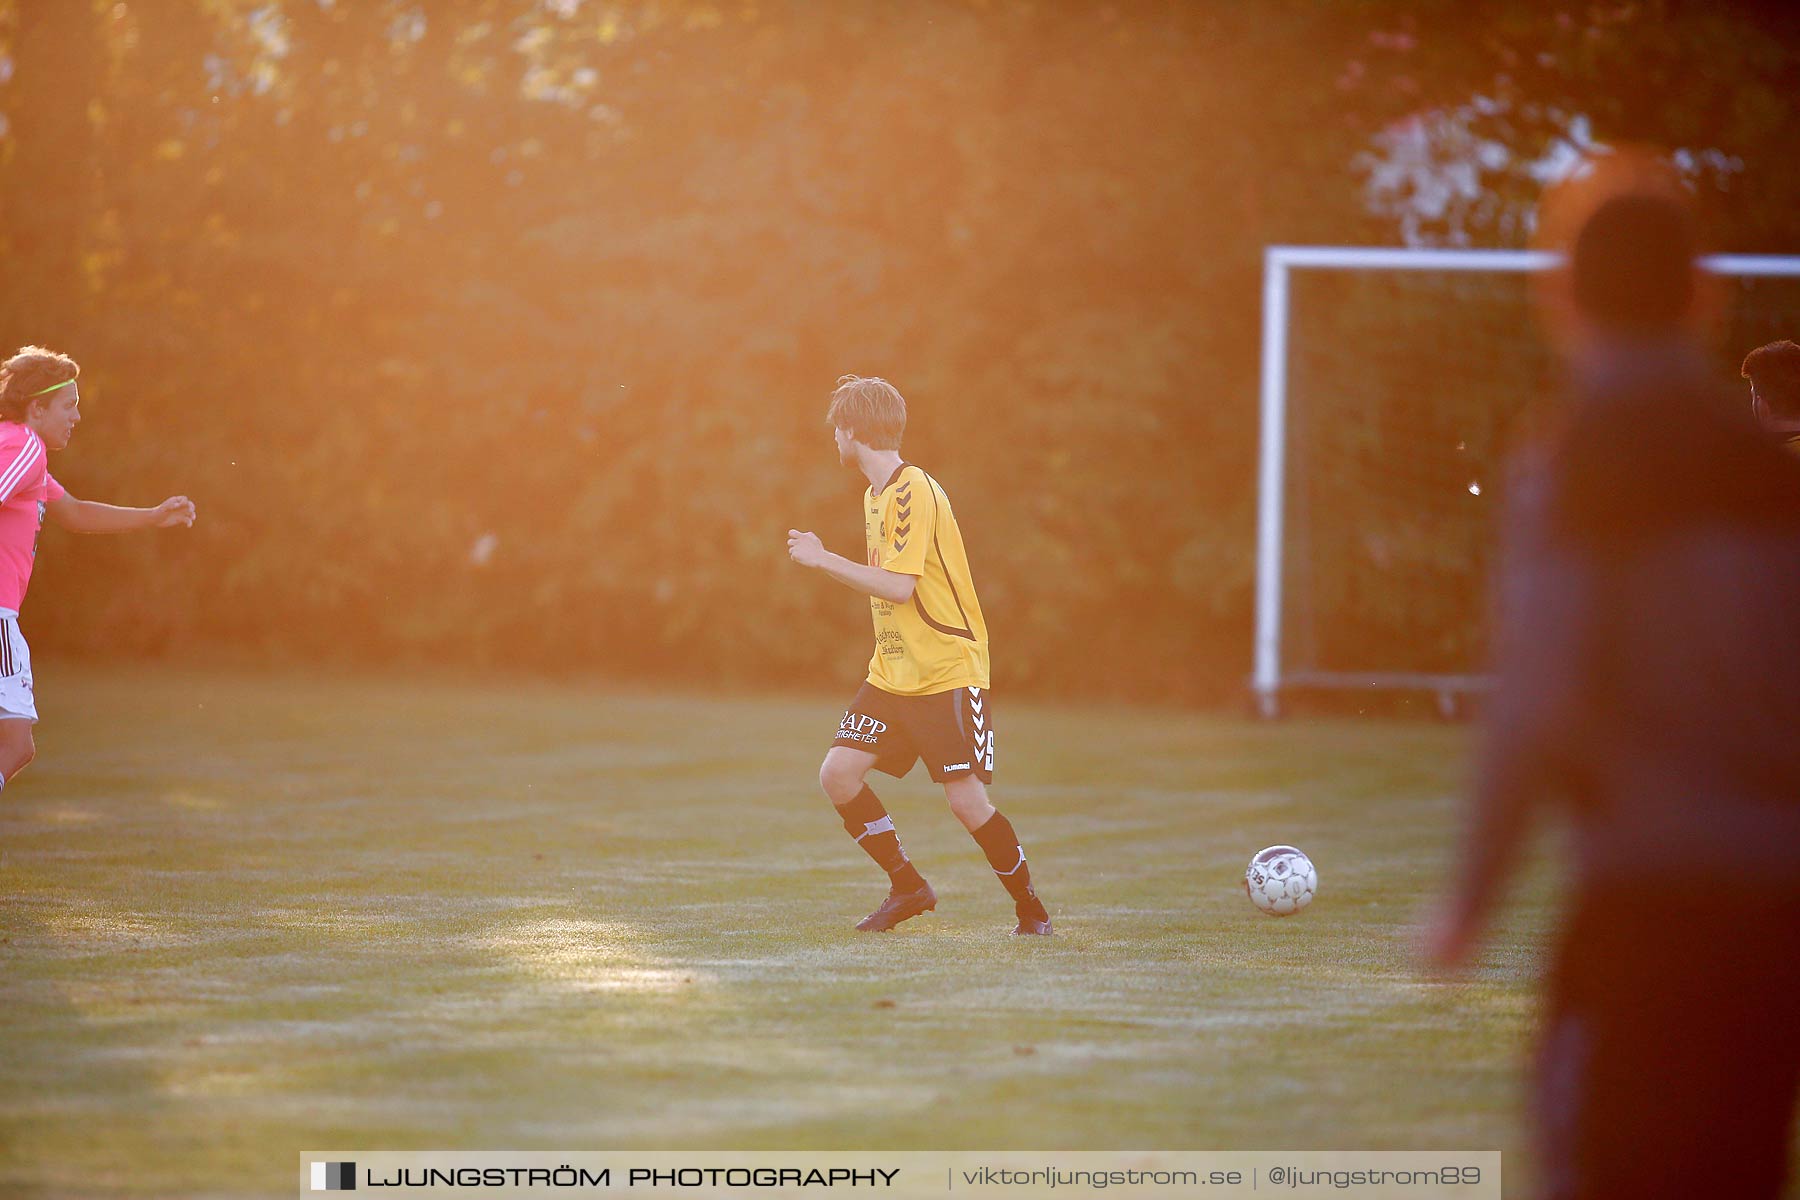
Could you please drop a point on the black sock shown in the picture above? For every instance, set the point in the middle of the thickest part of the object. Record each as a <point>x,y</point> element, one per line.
<point>869,823</point>
<point>1001,845</point>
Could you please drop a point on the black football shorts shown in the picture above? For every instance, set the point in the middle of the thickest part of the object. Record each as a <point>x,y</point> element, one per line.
<point>952,731</point>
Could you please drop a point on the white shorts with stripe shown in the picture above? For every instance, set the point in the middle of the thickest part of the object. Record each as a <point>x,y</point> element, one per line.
<point>16,699</point>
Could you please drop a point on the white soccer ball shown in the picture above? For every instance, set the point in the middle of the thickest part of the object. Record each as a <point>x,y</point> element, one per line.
<point>1281,881</point>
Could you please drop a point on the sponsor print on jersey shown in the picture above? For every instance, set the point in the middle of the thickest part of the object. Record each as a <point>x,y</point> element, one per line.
<point>855,727</point>
<point>890,644</point>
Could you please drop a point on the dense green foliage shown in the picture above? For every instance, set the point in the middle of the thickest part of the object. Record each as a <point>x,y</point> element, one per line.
<point>497,333</point>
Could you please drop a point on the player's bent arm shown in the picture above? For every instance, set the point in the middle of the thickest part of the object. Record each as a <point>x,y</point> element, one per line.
<point>892,586</point>
<point>879,582</point>
<point>90,516</point>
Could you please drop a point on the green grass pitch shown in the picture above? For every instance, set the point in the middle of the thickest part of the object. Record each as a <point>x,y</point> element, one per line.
<point>245,917</point>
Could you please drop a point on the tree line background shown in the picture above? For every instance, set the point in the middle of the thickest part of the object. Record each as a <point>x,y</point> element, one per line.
<point>494,334</point>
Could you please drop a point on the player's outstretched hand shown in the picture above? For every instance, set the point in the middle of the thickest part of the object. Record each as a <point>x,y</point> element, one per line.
<point>176,510</point>
<point>805,548</point>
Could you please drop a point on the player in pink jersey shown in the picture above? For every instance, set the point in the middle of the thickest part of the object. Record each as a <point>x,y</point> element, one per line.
<point>39,409</point>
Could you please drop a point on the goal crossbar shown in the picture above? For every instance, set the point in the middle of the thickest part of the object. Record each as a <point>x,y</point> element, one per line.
<point>1279,262</point>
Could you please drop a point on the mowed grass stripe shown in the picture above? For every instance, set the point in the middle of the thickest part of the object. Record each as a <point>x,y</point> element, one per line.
<point>248,916</point>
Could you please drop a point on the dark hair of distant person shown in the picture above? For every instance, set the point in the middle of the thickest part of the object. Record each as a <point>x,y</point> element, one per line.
<point>1774,372</point>
<point>1632,264</point>
<point>1625,228</point>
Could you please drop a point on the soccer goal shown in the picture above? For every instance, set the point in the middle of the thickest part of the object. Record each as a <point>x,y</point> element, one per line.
<point>1394,383</point>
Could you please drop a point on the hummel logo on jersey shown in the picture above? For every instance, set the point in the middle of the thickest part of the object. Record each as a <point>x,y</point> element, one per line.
<point>902,515</point>
<point>959,767</point>
<point>984,737</point>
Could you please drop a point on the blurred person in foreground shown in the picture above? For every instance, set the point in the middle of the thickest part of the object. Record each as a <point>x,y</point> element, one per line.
<point>40,405</point>
<point>1774,374</point>
<point>1649,684</point>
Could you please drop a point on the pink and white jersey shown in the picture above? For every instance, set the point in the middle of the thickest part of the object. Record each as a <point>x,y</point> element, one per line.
<point>26,485</point>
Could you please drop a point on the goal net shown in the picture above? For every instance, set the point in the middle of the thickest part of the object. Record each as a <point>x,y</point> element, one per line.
<point>1395,385</point>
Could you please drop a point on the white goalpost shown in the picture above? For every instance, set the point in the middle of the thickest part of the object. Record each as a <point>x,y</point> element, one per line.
<point>1272,675</point>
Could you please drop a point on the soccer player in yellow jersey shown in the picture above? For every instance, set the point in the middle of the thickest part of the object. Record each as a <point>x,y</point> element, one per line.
<point>1774,374</point>
<point>927,692</point>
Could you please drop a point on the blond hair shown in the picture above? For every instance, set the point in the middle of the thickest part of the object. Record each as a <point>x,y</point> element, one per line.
<point>871,409</point>
<point>26,374</point>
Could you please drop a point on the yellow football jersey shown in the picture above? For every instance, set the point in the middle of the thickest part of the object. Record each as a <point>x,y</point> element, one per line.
<point>938,640</point>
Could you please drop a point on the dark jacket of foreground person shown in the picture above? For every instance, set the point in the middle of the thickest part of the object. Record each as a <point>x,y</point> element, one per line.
<point>1650,679</point>
<point>1649,636</point>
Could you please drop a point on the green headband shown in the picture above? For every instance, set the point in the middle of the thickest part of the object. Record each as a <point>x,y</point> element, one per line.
<point>45,391</point>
